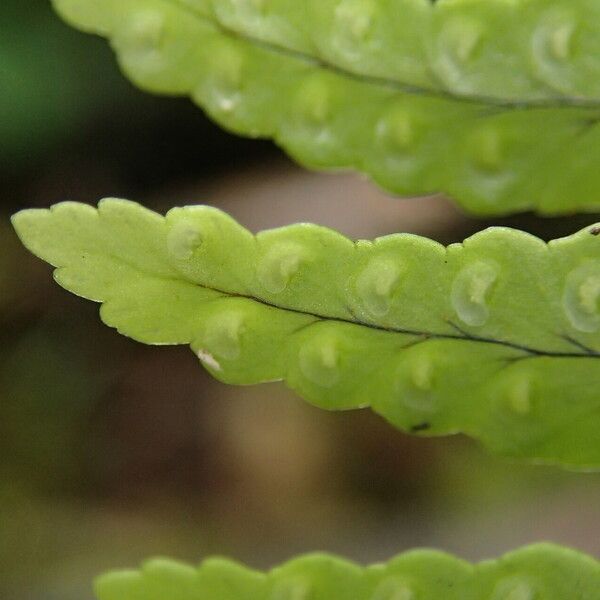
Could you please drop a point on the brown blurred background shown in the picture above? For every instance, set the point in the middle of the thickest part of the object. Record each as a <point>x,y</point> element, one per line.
<point>111,452</point>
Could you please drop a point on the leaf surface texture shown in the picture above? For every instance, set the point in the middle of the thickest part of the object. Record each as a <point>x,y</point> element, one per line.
<point>498,337</point>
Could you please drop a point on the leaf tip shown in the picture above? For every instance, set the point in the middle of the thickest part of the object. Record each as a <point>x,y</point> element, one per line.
<point>26,221</point>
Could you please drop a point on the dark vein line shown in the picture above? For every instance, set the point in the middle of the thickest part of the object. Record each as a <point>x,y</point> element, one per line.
<point>579,345</point>
<point>529,352</point>
<point>394,84</point>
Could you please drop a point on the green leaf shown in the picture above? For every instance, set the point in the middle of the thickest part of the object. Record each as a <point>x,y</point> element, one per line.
<point>498,337</point>
<point>496,103</point>
<point>542,571</point>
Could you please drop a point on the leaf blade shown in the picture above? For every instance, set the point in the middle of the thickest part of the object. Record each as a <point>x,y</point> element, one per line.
<point>542,570</point>
<point>498,337</point>
<point>268,70</point>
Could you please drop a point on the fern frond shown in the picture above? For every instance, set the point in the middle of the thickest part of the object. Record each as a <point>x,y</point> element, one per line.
<point>496,103</point>
<point>542,571</point>
<point>498,337</point>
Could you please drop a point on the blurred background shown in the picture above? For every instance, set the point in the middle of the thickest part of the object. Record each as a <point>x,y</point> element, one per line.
<point>111,452</point>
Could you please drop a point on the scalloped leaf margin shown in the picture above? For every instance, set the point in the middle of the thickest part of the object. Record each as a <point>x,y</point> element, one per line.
<point>541,571</point>
<point>495,103</point>
<point>498,337</point>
